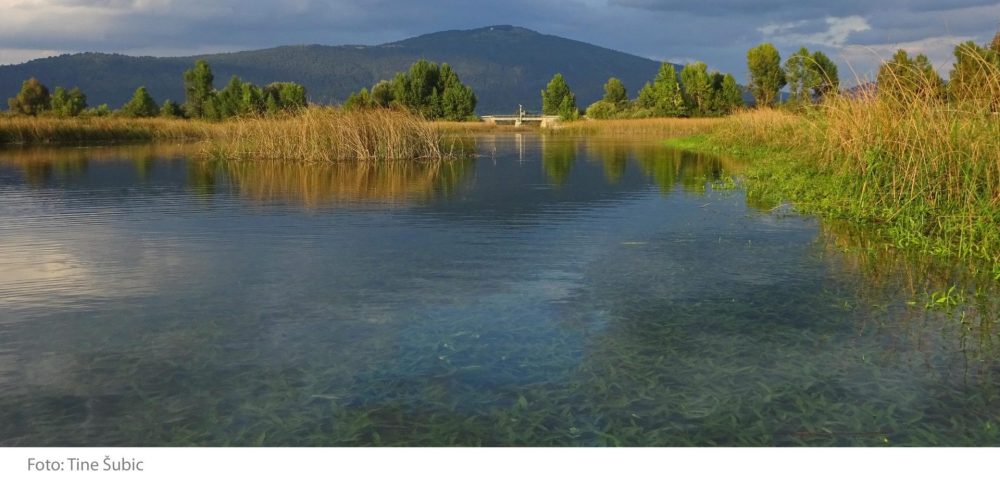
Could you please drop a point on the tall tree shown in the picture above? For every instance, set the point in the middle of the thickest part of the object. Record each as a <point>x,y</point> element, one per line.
<point>802,75</point>
<point>141,105</point>
<point>766,76</point>
<point>669,98</point>
<point>558,99</point>
<point>904,78</point>
<point>697,87</point>
<point>731,96</point>
<point>426,88</point>
<point>32,99</point>
<point>973,76</point>
<point>826,69</point>
<point>458,101</point>
<point>198,89</point>
<point>68,103</point>
<point>615,93</point>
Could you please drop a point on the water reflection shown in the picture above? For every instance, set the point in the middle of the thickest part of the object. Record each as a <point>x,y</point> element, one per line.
<point>667,167</point>
<point>317,185</point>
<point>150,298</point>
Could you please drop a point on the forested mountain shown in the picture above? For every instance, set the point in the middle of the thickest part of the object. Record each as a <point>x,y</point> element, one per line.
<point>505,66</point>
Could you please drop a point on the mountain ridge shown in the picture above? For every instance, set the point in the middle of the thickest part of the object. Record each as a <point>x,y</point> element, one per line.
<point>505,65</point>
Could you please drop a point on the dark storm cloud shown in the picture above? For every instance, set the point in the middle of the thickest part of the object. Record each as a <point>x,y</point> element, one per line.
<point>717,32</point>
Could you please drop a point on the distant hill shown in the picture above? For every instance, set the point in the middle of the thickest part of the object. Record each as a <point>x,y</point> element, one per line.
<point>505,65</point>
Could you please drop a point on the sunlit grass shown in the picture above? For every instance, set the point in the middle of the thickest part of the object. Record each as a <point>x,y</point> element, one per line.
<point>923,169</point>
<point>659,128</point>
<point>26,130</point>
<point>332,134</point>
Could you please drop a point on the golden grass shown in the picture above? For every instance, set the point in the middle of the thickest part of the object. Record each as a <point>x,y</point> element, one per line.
<point>659,128</point>
<point>26,130</point>
<point>333,134</point>
<point>924,167</point>
<point>479,126</point>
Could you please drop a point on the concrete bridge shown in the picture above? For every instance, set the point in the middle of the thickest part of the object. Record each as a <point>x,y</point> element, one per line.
<point>519,119</point>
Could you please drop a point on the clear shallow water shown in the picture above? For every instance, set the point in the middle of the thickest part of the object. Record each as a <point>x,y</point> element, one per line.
<point>557,292</point>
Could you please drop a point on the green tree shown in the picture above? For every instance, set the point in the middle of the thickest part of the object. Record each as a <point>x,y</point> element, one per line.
<point>903,78</point>
<point>973,75</point>
<point>382,94</point>
<point>68,103</point>
<point>283,96</point>
<point>731,96</point>
<point>828,80</point>
<point>615,93</point>
<point>431,90</point>
<point>601,110</point>
<point>458,101</point>
<point>230,99</point>
<point>171,109</point>
<point>359,100</point>
<point>663,97</point>
<point>198,89</point>
<point>418,89</point>
<point>697,87</point>
<point>31,100</point>
<point>558,99</point>
<point>102,110</point>
<point>802,76</point>
<point>141,105</point>
<point>766,75</point>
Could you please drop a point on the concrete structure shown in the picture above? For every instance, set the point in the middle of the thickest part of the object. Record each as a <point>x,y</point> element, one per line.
<point>518,120</point>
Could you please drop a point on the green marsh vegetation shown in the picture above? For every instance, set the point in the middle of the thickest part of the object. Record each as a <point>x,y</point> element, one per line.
<point>914,157</point>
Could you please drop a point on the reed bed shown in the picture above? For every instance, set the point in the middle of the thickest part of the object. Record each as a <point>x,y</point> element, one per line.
<point>28,130</point>
<point>332,134</point>
<point>660,128</point>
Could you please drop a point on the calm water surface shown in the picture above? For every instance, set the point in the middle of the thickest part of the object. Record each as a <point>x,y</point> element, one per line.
<point>554,292</point>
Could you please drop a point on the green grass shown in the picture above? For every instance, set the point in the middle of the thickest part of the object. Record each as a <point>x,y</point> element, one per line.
<point>967,232</point>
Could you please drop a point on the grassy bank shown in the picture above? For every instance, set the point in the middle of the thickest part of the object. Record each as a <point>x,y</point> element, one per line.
<point>923,172</point>
<point>29,130</point>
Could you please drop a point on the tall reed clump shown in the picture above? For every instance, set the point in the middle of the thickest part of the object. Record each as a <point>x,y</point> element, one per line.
<point>333,134</point>
<point>25,130</point>
<point>923,165</point>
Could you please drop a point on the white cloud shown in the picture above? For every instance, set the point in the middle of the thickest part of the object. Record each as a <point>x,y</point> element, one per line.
<point>940,51</point>
<point>838,30</point>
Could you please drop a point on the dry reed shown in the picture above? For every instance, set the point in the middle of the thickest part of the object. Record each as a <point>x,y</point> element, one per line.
<point>25,130</point>
<point>332,134</point>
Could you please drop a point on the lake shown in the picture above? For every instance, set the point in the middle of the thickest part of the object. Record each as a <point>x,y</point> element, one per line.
<point>553,291</point>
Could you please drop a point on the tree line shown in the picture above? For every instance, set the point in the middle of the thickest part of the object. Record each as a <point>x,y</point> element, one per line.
<point>811,76</point>
<point>693,92</point>
<point>202,100</point>
<point>428,89</point>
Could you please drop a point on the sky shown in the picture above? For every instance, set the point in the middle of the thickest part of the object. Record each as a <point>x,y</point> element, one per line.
<point>855,33</point>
